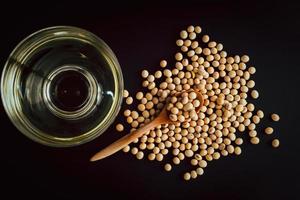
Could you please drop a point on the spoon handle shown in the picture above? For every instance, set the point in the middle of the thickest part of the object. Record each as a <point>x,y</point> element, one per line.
<point>124,141</point>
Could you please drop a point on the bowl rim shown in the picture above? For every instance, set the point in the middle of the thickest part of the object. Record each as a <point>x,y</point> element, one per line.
<point>37,135</point>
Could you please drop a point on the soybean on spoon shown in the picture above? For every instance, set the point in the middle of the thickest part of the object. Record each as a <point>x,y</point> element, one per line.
<point>162,118</point>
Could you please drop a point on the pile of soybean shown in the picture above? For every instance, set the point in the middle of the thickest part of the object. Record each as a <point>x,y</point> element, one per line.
<point>224,80</point>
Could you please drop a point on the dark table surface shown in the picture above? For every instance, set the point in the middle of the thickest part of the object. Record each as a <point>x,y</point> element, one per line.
<point>141,34</point>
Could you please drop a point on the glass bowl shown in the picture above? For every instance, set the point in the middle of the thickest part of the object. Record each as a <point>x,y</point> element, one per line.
<point>62,86</point>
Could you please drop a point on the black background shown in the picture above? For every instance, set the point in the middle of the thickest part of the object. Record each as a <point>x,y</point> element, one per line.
<point>141,34</point>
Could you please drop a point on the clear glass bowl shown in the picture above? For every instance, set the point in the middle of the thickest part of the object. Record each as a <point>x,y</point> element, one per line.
<point>62,86</point>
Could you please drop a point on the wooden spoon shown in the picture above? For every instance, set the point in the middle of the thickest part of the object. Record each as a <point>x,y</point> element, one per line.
<point>162,118</point>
